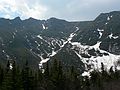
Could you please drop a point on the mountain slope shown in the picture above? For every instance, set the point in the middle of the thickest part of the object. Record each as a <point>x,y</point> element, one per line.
<point>84,45</point>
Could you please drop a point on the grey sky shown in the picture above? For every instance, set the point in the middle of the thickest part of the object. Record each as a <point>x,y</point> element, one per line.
<point>72,10</point>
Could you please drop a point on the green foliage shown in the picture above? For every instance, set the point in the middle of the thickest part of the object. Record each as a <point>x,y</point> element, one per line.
<point>55,77</point>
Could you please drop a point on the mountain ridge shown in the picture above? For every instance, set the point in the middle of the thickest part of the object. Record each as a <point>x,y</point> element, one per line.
<point>71,42</point>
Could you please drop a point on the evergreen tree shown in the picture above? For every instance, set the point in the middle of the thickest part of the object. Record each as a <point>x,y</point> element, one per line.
<point>60,80</point>
<point>8,66</point>
<point>96,79</point>
<point>46,73</point>
<point>95,75</point>
<point>27,79</point>
<point>7,82</point>
<point>74,81</point>
<point>117,74</point>
<point>16,80</point>
<point>87,83</point>
<point>1,75</point>
<point>111,73</point>
<point>14,76</point>
<point>105,75</point>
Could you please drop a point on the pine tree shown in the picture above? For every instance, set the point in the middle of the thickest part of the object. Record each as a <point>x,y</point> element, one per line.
<point>96,80</point>
<point>74,81</point>
<point>61,80</point>
<point>40,75</point>
<point>7,82</point>
<point>25,77</point>
<point>87,83</point>
<point>8,66</point>
<point>117,74</point>
<point>46,73</point>
<point>1,75</point>
<point>111,73</point>
<point>16,78</point>
<point>105,75</point>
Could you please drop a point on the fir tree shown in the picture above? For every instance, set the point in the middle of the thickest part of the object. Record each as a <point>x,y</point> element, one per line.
<point>7,82</point>
<point>25,77</point>
<point>1,75</point>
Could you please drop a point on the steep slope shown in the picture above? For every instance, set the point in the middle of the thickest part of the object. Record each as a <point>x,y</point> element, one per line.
<point>32,39</point>
<point>95,42</point>
<point>98,41</point>
<point>84,45</point>
<point>104,28</point>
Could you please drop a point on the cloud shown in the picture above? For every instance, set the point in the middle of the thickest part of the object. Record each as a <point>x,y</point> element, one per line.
<point>64,9</point>
<point>79,9</point>
<point>22,8</point>
<point>89,9</point>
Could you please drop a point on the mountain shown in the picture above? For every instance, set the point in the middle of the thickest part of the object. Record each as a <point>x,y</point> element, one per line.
<point>84,45</point>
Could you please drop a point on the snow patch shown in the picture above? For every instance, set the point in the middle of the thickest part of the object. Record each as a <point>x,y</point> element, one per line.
<point>100,35</point>
<point>43,26</point>
<point>53,53</point>
<point>39,36</point>
<point>108,61</point>
<point>7,56</point>
<point>61,46</point>
<point>85,74</point>
<point>46,59</point>
<point>111,36</point>
<point>96,46</point>
<point>42,62</point>
<point>11,67</point>
<point>37,43</point>
<point>3,51</point>
<point>94,62</point>
<point>100,32</point>
<point>106,23</point>
<point>77,28</point>
<point>115,37</point>
<point>46,28</point>
<point>108,18</point>
<point>14,34</point>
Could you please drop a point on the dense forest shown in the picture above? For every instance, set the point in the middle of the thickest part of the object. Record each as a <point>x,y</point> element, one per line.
<point>55,77</point>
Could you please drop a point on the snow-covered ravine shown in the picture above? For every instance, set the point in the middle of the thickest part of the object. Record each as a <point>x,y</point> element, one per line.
<point>109,60</point>
<point>94,62</point>
<point>100,32</point>
<point>44,60</point>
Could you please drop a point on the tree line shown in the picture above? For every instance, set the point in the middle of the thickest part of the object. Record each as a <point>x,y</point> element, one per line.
<point>56,77</point>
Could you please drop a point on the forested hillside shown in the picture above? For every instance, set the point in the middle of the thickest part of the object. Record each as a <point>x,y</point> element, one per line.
<point>55,77</point>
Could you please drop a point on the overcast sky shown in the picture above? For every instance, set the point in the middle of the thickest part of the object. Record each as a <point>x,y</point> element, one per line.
<point>71,10</point>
